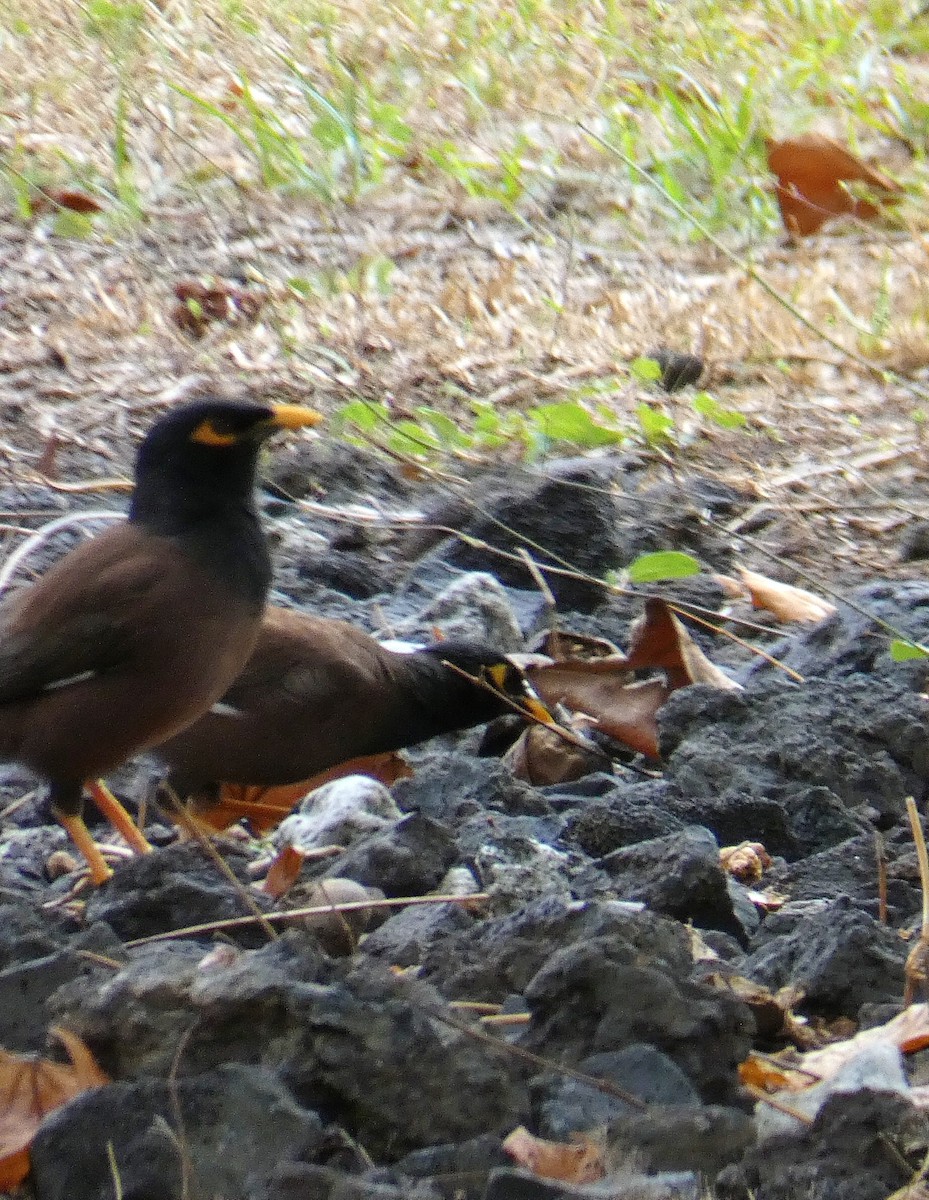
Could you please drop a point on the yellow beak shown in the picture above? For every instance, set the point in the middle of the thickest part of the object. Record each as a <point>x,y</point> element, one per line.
<point>294,416</point>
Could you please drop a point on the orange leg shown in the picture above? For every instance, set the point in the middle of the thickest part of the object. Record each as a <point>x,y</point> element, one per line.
<point>85,844</point>
<point>117,816</point>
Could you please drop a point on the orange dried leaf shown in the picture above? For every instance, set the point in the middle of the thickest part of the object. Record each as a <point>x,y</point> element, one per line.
<point>283,872</point>
<point>786,602</point>
<point>812,177</point>
<point>32,1087</point>
<point>580,1161</point>
<point>51,199</point>
<point>659,639</point>
<point>762,1074</point>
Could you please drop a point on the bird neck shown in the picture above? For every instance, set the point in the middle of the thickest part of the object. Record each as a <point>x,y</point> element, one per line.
<point>439,701</point>
<point>221,533</point>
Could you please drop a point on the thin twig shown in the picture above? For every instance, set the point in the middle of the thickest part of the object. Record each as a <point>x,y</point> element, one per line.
<point>183,817</point>
<point>299,914</point>
<point>44,532</point>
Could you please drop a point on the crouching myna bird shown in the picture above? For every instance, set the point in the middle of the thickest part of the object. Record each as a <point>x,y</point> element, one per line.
<point>134,634</point>
<point>317,692</point>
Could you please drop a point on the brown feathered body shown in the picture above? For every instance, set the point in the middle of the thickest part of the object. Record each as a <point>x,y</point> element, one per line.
<point>124,642</point>
<point>317,692</point>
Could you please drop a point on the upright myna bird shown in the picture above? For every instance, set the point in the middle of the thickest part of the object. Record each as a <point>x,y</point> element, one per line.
<point>317,692</point>
<point>134,634</point>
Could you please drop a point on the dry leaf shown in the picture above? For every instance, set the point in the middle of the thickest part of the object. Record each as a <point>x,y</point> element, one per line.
<point>812,177</point>
<point>603,689</point>
<point>541,756</point>
<point>794,1073</point>
<point>218,300</point>
<point>659,639</point>
<point>746,862</point>
<point>267,807</point>
<point>786,602</point>
<point>283,872</point>
<point>30,1088</point>
<point>763,1074</point>
<point>51,199</point>
<point>770,1011</point>
<point>580,1161</point>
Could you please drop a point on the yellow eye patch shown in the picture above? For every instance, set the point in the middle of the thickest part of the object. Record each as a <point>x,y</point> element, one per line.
<point>207,434</point>
<point>497,674</point>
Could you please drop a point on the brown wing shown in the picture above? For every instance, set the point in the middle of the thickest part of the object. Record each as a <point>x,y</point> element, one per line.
<point>77,619</point>
<point>312,694</point>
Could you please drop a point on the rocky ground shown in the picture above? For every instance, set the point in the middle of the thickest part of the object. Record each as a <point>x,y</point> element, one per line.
<point>600,986</point>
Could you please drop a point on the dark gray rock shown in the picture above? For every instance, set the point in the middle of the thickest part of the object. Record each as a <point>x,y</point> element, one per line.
<point>26,988</point>
<point>602,994</point>
<point>863,738</point>
<point>408,859</point>
<point>459,1172</point>
<point>623,815</point>
<point>500,956</point>
<point>862,1146</point>
<point>679,876</point>
<point>850,869</point>
<point>305,1181</point>
<point>405,937</point>
<point>571,512</point>
<point>172,888</point>
<point>361,1046</point>
<point>564,1105</point>
<point>675,1138</point>
<point>452,786</point>
<point>220,1133</point>
<point>839,957</point>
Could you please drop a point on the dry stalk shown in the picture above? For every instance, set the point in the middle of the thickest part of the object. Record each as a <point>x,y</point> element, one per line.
<point>299,914</point>
<point>917,964</point>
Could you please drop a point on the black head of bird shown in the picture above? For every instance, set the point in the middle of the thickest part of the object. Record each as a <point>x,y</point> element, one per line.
<point>135,633</point>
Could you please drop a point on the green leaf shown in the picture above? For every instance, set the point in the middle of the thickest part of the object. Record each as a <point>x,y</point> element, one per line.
<point>567,422</point>
<point>646,369</point>
<point>360,414</point>
<point>902,650</point>
<point>656,426</point>
<point>68,224</point>
<point>663,564</point>
<point>727,418</point>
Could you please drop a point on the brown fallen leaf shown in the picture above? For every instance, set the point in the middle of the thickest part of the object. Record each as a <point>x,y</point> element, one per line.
<point>746,862</point>
<point>51,199</point>
<point>30,1088</point>
<point>786,602</point>
<point>580,1161</point>
<point>267,807</point>
<point>541,756</point>
<point>215,300</point>
<point>659,639</point>
<point>813,172</point>
<point>605,691</point>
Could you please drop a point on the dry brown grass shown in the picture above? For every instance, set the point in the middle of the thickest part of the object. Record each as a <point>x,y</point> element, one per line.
<point>521,304</point>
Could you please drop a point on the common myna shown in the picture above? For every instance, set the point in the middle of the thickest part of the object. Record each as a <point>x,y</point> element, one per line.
<point>134,634</point>
<point>317,692</point>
